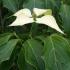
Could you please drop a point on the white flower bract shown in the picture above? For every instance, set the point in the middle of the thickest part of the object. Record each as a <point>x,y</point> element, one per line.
<point>49,21</point>
<point>22,20</point>
<point>24,16</point>
<point>39,11</point>
<point>24,12</point>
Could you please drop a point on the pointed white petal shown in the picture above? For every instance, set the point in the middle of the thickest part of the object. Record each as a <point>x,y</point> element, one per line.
<point>22,20</point>
<point>49,21</point>
<point>23,17</point>
<point>39,11</point>
<point>24,12</point>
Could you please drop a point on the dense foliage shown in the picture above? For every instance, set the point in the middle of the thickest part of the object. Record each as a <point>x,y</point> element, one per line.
<point>34,46</point>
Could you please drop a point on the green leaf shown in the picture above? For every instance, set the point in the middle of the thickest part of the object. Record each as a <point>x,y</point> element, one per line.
<point>56,53</point>
<point>6,50</point>
<point>65,15</point>
<point>53,4</point>
<point>22,65</point>
<point>33,3</point>
<point>10,4</point>
<point>4,38</point>
<point>13,5</point>
<point>21,60</point>
<point>5,65</point>
<point>33,52</point>
<point>66,2</point>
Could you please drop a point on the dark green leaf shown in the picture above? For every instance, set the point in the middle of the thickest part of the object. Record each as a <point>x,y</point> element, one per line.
<point>56,53</point>
<point>33,3</point>
<point>13,5</point>
<point>6,50</point>
<point>5,65</point>
<point>66,2</point>
<point>10,4</point>
<point>22,63</point>
<point>4,38</point>
<point>65,15</point>
<point>33,52</point>
<point>53,4</point>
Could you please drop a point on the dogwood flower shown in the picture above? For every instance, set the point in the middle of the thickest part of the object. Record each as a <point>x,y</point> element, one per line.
<point>24,16</point>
